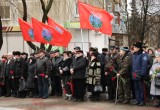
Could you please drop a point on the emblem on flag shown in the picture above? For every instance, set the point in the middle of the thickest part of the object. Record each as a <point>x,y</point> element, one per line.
<point>47,35</point>
<point>95,21</point>
<point>31,34</point>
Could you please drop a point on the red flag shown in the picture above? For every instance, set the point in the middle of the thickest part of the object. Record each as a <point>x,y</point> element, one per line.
<point>95,18</point>
<point>65,34</point>
<point>46,34</point>
<point>27,30</point>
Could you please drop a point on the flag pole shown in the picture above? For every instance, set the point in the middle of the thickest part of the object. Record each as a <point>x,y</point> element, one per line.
<point>26,47</point>
<point>82,39</point>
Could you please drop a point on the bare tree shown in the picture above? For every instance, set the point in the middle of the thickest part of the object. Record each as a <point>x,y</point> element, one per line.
<point>34,47</point>
<point>44,19</point>
<point>143,19</point>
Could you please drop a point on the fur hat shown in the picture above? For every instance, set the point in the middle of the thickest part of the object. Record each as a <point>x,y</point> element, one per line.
<point>138,45</point>
<point>126,49</point>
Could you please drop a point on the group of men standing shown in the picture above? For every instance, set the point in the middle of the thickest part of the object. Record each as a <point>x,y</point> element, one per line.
<point>116,69</point>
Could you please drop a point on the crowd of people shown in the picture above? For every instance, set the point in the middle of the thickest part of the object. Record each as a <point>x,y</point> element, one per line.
<point>125,73</point>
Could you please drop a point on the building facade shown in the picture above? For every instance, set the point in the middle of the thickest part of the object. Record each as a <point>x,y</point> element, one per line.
<point>65,13</point>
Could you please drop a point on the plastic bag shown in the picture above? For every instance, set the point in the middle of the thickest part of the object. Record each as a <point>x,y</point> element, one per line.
<point>98,88</point>
<point>22,85</point>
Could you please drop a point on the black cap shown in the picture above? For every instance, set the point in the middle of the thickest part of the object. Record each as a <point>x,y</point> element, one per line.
<point>80,51</point>
<point>92,49</point>
<point>138,44</point>
<point>112,47</point>
<point>66,52</point>
<point>17,53</point>
<point>77,48</point>
<point>104,49</point>
<point>24,53</point>
<point>54,51</point>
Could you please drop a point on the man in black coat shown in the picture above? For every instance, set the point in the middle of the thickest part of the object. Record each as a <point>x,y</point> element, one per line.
<point>19,73</point>
<point>9,74</point>
<point>78,69</point>
<point>55,75</point>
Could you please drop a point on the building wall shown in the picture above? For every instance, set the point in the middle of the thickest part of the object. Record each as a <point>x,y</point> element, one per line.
<point>13,41</point>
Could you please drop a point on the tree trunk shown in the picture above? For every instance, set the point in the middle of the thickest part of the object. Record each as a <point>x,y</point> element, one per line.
<point>34,47</point>
<point>1,36</point>
<point>145,9</point>
<point>45,17</point>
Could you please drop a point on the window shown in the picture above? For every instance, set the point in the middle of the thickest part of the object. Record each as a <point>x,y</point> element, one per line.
<point>5,12</point>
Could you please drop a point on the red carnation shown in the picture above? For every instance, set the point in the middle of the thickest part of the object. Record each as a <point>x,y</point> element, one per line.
<point>11,72</point>
<point>112,68</point>
<point>42,74</point>
<point>134,75</point>
<point>113,78</point>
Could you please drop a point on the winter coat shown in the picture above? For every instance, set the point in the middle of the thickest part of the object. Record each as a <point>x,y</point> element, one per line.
<point>2,68</point>
<point>65,66</point>
<point>31,74</point>
<point>124,64</point>
<point>56,62</point>
<point>10,68</point>
<point>154,90</point>
<point>43,66</point>
<point>79,67</point>
<point>19,67</point>
<point>94,74</point>
<point>111,61</point>
<point>139,65</point>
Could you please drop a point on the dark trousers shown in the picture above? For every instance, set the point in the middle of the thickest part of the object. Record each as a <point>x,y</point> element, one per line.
<point>111,87</point>
<point>66,79</point>
<point>79,88</point>
<point>56,87</point>
<point>139,90</point>
<point>16,86</point>
<point>43,86</point>
<point>103,79</point>
<point>9,85</point>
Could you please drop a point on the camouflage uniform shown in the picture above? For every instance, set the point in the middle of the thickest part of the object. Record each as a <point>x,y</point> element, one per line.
<point>111,84</point>
<point>124,64</point>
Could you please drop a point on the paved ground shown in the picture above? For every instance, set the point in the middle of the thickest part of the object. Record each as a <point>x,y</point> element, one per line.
<point>55,103</point>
